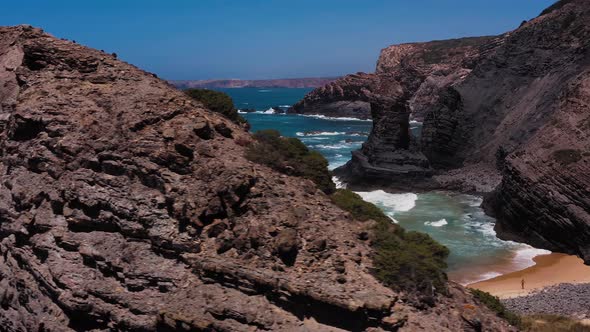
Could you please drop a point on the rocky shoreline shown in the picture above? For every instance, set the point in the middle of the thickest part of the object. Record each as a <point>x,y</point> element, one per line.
<point>515,105</point>
<point>572,300</point>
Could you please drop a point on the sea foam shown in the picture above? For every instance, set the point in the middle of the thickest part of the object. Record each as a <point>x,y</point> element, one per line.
<point>396,202</point>
<point>339,184</point>
<point>524,256</point>
<point>323,117</point>
<point>439,223</point>
<point>320,133</point>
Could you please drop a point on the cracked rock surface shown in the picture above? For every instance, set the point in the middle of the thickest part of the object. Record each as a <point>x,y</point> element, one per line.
<point>124,205</point>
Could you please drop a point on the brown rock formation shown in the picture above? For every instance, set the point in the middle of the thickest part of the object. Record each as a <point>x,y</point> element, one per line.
<point>408,81</point>
<point>518,103</point>
<point>541,110</point>
<point>127,206</point>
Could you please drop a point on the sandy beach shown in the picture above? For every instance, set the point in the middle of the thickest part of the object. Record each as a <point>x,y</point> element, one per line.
<point>549,270</point>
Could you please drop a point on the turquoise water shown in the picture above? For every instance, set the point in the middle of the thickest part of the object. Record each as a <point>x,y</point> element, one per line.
<point>263,99</point>
<point>335,139</point>
<point>455,220</point>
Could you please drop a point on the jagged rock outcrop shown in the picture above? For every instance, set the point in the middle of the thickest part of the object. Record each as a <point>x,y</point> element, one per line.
<point>540,105</point>
<point>517,103</point>
<point>419,72</point>
<point>125,205</point>
<point>341,98</point>
<point>427,68</point>
<point>525,109</point>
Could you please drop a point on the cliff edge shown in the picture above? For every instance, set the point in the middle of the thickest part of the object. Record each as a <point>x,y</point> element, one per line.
<point>508,113</point>
<point>125,205</point>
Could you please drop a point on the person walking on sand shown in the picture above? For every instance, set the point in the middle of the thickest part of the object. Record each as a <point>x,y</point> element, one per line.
<point>522,283</point>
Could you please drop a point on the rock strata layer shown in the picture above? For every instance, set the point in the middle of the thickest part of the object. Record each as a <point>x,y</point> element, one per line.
<point>409,81</point>
<point>124,205</point>
<point>515,107</point>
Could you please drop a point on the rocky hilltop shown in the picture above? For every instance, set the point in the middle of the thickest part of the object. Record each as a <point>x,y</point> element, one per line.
<point>310,82</point>
<point>125,205</point>
<point>422,66</point>
<point>510,112</point>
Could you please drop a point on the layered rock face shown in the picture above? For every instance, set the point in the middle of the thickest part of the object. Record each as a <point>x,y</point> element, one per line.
<point>408,82</point>
<point>540,105</point>
<point>344,97</point>
<point>426,66</point>
<point>524,108</point>
<point>516,105</point>
<point>127,206</point>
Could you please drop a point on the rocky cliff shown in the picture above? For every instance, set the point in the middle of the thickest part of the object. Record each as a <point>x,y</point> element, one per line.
<point>524,108</point>
<point>510,109</point>
<point>407,83</point>
<point>127,206</point>
<point>433,65</point>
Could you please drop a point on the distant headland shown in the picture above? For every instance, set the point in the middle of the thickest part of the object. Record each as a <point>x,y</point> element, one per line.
<point>306,82</point>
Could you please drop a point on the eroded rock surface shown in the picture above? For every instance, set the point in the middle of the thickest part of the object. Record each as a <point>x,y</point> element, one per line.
<point>407,84</point>
<point>124,205</point>
<point>513,107</point>
<point>541,108</point>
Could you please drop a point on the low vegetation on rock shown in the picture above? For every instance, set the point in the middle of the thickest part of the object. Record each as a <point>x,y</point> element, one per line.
<point>494,304</point>
<point>290,156</point>
<point>532,323</point>
<point>218,102</point>
<point>552,323</point>
<point>402,260</point>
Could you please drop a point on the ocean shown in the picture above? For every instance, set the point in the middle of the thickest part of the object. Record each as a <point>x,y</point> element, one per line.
<point>455,220</point>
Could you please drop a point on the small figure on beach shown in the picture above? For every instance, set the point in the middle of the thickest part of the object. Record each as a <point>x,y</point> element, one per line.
<point>522,283</point>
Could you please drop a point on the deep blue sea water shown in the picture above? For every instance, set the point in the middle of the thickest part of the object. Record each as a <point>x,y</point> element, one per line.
<point>453,219</point>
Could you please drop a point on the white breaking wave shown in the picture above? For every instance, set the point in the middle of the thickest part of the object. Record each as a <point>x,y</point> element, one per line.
<point>332,147</point>
<point>269,111</point>
<point>395,202</point>
<point>393,219</point>
<point>474,201</point>
<point>481,277</point>
<point>320,133</point>
<point>314,138</point>
<point>242,112</point>
<point>339,184</point>
<point>323,117</point>
<point>439,223</point>
<point>524,257</point>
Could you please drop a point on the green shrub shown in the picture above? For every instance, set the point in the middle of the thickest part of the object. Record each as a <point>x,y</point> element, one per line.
<point>218,102</point>
<point>494,304</point>
<point>360,209</point>
<point>402,260</point>
<point>292,157</point>
<point>567,156</point>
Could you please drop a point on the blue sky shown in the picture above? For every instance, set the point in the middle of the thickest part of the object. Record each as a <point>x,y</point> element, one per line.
<point>202,39</point>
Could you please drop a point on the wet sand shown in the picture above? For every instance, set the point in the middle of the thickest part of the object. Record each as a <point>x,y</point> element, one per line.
<point>549,270</point>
